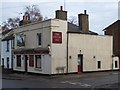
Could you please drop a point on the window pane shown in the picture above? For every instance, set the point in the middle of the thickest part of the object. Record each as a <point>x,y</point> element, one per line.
<point>7,62</point>
<point>38,61</point>
<point>39,38</point>
<point>99,64</point>
<point>2,61</point>
<point>116,64</point>
<point>18,60</point>
<point>7,45</point>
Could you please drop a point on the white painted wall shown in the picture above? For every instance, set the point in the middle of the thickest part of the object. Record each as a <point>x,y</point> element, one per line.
<point>31,41</point>
<point>58,51</point>
<point>5,54</point>
<point>30,31</point>
<point>46,64</point>
<point>90,46</point>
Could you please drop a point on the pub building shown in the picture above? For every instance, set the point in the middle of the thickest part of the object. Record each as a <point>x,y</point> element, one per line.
<point>55,46</point>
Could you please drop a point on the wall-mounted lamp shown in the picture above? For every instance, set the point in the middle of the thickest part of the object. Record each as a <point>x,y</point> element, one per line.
<point>94,57</point>
<point>48,46</point>
<point>70,57</point>
<point>49,49</point>
<point>80,51</point>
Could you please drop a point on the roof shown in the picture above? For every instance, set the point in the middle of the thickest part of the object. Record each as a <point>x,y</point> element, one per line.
<point>31,51</point>
<point>6,31</point>
<point>72,28</point>
<point>118,21</point>
<point>9,37</point>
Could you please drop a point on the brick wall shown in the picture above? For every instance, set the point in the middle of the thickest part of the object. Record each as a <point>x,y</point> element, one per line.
<point>114,29</point>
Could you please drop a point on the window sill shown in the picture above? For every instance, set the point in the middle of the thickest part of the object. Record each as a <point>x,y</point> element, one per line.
<point>7,50</point>
<point>18,67</point>
<point>39,45</point>
<point>38,69</point>
<point>31,66</point>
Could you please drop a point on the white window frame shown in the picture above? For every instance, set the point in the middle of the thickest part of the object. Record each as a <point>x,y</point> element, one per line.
<point>40,62</point>
<point>39,43</point>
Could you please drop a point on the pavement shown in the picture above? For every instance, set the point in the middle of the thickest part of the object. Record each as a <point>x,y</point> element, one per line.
<point>21,76</point>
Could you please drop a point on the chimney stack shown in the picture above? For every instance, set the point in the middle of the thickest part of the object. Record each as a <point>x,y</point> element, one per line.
<point>26,18</point>
<point>83,20</point>
<point>60,14</point>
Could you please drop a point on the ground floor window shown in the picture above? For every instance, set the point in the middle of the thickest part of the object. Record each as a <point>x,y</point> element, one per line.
<point>38,61</point>
<point>2,61</point>
<point>7,62</point>
<point>99,64</point>
<point>18,60</point>
<point>31,60</point>
<point>116,64</point>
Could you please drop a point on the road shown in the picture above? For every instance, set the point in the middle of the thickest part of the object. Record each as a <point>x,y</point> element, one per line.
<point>85,82</point>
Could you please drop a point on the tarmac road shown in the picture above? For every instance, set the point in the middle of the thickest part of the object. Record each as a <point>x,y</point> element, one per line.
<point>91,81</point>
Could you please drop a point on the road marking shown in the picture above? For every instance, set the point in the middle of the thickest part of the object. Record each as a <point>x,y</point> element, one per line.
<point>114,73</point>
<point>77,83</point>
<point>72,83</point>
<point>65,82</point>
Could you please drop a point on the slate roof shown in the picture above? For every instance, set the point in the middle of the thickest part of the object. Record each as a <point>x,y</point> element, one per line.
<point>72,28</point>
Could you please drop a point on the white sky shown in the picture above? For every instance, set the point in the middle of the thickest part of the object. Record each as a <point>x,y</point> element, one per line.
<point>101,14</point>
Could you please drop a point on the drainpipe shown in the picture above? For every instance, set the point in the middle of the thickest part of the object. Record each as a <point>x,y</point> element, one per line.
<point>67,52</point>
<point>112,65</point>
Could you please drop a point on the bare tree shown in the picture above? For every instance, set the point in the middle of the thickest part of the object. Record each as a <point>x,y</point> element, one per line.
<point>11,23</point>
<point>73,20</point>
<point>34,12</point>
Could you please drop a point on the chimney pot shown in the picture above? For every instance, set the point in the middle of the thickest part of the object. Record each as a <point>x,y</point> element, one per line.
<point>85,12</point>
<point>61,8</point>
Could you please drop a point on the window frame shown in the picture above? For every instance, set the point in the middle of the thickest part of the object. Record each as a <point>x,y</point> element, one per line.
<point>39,39</point>
<point>8,60</point>
<point>116,64</point>
<point>3,61</point>
<point>36,65</point>
<point>99,64</point>
<point>7,46</point>
<point>18,64</point>
<point>20,37</point>
<point>31,62</point>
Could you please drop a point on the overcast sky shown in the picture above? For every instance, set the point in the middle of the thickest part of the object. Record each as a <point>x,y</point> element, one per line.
<point>101,14</point>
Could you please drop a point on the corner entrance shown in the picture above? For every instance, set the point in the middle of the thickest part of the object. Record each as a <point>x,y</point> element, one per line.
<point>80,63</point>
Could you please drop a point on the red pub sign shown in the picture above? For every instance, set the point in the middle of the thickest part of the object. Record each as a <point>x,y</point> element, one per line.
<point>57,37</point>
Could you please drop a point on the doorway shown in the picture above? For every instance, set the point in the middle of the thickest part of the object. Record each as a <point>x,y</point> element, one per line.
<point>26,65</point>
<point>80,63</point>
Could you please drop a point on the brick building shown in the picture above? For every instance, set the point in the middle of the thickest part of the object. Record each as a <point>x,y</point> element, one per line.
<point>114,30</point>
